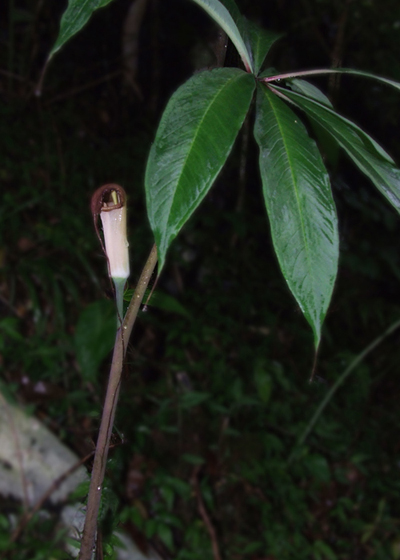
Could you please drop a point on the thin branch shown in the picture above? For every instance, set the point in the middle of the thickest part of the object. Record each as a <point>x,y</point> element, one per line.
<point>79,89</point>
<point>52,488</point>
<point>337,52</point>
<point>10,306</point>
<point>204,515</point>
<point>110,405</point>
<point>339,381</point>
<point>12,75</point>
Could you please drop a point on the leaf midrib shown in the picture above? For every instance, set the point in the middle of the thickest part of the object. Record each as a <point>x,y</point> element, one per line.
<point>189,152</point>
<point>296,193</point>
<point>340,136</point>
<point>315,106</point>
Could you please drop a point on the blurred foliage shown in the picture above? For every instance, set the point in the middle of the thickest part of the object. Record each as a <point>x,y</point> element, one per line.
<point>215,398</point>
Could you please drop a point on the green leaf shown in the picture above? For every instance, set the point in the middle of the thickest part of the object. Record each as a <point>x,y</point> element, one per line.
<point>228,17</point>
<point>75,17</point>
<point>300,207</point>
<point>164,532</point>
<point>324,551</point>
<point>193,398</point>
<point>194,138</point>
<point>268,73</point>
<point>9,326</point>
<point>309,90</point>
<point>192,459</point>
<point>108,502</point>
<point>318,467</point>
<point>161,300</point>
<point>326,143</point>
<point>263,381</point>
<point>260,41</point>
<point>94,337</point>
<point>369,157</point>
<point>169,496</point>
<point>167,303</point>
<point>80,492</point>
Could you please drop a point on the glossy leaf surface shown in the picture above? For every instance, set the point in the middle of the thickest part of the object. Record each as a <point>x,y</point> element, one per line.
<point>194,138</point>
<point>300,206</point>
<point>309,90</point>
<point>260,41</point>
<point>326,142</point>
<point>228,17</point>
<point>369,157</point>
<point>75,17</point>
<point>94,337</point>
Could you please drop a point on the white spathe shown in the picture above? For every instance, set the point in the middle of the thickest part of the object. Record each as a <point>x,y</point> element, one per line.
<point>115,241</point>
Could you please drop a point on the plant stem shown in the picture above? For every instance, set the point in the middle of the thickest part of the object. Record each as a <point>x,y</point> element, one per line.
<point>339,381</point>
<point>110,405</point>
<point>119,285</point>
<point>290,75</point>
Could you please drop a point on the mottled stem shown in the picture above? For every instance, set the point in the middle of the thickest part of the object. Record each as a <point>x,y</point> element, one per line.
<point>119,285</point>
<point>110,404</point>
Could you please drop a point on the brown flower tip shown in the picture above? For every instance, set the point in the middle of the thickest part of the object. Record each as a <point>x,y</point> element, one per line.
<point>106,198</point>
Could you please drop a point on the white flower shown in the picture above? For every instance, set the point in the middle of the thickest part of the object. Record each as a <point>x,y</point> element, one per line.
<point>109,202</point>
<point>115,240</point>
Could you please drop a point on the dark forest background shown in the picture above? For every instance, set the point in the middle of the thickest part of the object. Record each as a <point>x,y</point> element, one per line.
<point>215,393</point>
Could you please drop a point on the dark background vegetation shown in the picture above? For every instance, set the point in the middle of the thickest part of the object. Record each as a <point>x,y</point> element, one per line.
<point>213,400</point>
